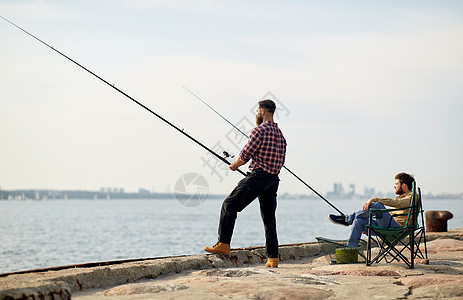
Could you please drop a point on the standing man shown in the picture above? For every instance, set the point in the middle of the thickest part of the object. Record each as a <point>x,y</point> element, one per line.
<point>266,148</point>
<point>358,220</point>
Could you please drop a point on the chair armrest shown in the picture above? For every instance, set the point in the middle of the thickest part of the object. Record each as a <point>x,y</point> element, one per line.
<point>373,210</point>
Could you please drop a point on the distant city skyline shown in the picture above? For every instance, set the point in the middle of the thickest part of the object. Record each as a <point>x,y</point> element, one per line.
<point>338,192</point>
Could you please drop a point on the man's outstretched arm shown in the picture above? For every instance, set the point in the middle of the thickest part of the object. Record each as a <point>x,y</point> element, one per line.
<point>238,163</point>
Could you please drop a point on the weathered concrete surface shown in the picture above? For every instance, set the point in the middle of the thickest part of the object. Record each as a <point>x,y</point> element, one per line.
<point>302,274</point>
<point>54,283</point>
<point>19,289</point>
<point>452,234</point>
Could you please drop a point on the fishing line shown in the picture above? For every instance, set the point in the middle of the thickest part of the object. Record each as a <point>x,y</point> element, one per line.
<point>123,93</point>
<point>291,172</point>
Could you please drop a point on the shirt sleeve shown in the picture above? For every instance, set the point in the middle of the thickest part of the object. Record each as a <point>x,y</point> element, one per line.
<point>251,147</point>
<point>398,202</point>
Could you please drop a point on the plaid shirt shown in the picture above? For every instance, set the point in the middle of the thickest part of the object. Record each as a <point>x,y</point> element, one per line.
<point>267,148</point>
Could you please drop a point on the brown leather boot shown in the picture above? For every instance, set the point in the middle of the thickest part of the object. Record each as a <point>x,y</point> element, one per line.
<point>272,263</point>
<point>219,248</point>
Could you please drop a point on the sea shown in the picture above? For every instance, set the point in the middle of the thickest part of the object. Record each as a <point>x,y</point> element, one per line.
<point>50,233</point>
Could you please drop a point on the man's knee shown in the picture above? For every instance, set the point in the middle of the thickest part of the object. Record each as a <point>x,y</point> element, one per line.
<point>229,208</point>
<point>377,205</point>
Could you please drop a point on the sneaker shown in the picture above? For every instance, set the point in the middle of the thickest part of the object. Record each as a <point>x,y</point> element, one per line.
<point>340,220</point>
<point>272,263</point>
<point>219,247</point>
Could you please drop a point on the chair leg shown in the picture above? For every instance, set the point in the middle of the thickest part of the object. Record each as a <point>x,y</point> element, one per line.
<point>412,249</point>
<point>424,239</point>
<point>368,260</point>
<point>389,248</point>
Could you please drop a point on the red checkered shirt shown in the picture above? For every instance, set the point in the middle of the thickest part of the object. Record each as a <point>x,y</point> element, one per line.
<point>266,148</point>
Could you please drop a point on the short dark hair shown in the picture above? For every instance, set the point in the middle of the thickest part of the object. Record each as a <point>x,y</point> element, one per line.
<point>268,105</point>
<point>405,178</point>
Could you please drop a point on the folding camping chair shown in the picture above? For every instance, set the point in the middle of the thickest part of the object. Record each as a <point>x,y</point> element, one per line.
<point>394,243</point>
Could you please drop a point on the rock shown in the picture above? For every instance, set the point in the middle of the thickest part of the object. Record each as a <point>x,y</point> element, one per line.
<point>143,288</point>
<point>352,270</point>
<point>39,290</point>
<point>302,274</point>
<point>323,260</point>
<point>228,272</point>
<point>265,290</point>
<point>444,244</point>
<point>195,280</point>
<point>435,286</point>
<point>456,234</point>
<point>448,290</point>
<point>427,280</point>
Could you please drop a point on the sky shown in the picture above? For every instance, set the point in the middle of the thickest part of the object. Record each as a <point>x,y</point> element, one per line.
<point>364,89</point>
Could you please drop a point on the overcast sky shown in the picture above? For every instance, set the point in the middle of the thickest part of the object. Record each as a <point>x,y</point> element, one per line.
<point>366,89</point>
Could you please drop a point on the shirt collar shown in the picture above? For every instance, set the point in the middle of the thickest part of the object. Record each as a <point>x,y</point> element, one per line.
<point>269,123</point>
<point>405,195</point>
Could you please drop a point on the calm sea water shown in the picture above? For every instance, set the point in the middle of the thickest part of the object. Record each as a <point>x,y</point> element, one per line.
<point>39,234</point>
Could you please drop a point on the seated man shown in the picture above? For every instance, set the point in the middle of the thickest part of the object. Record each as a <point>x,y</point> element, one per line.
<point>359,219</point>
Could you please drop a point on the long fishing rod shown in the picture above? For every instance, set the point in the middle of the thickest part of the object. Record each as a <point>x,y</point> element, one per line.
<point>123,93</point>
<point>291,172</point>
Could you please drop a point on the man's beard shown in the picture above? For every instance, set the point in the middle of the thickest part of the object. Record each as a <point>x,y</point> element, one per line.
<point>399,191</point>
<point>259,119</point>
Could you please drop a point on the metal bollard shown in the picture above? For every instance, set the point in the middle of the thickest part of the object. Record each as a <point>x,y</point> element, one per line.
<point>436,220</point>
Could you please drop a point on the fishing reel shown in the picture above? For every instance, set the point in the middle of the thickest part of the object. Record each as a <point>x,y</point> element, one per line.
<point>227,155</point>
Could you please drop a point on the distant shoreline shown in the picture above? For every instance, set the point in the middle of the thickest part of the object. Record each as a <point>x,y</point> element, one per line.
<point>85,195</point>
<point>45,194</point>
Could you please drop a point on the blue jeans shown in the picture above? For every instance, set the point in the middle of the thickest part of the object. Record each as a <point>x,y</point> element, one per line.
<point>358,220</point>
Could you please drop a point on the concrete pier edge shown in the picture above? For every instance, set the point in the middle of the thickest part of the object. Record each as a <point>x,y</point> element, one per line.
<point>60,284</point>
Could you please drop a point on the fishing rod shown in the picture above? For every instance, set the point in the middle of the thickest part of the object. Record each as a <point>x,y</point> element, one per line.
<point>125,94</point>
<point>291,172</point>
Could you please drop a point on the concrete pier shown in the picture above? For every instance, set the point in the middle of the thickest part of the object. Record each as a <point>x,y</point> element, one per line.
<point>303,273</point>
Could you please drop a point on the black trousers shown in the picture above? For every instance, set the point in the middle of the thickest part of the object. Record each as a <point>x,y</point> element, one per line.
<point>258,184</point>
